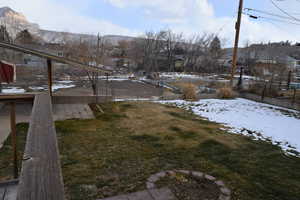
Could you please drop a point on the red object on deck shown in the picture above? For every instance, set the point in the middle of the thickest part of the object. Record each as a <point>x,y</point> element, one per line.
<point>7,72</point>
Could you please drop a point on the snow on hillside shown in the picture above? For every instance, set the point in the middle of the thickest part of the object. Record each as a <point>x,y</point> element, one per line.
<point>15,22</point>
<point>262,121</point>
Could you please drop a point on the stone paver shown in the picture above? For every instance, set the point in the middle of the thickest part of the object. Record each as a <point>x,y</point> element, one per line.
<point>225,193</point>
<point>162,194</point>
<point>143,195</point>
<point>155,194</point>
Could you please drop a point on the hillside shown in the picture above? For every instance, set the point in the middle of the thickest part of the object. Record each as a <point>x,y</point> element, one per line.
<point>16,22</point>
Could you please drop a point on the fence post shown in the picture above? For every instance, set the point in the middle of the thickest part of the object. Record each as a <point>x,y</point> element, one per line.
<point>294,96</point>
<point>49,65</point>
<point>289,80</point>
<point>263,92</point>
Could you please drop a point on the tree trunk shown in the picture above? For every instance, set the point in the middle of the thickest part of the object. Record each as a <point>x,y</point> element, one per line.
<point>289,80</point>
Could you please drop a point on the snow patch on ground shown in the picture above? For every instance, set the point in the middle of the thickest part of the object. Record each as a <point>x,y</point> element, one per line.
<point>56,86</point>
<point>61,86</point>
<point>262,121</point>
<point>67,82</point>
<point>36,88</point>
<point>13,90</point>
<point>175,75</point>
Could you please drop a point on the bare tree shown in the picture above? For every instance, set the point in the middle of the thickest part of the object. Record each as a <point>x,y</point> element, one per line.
<point>147,50</point>
<point>197,52</point>
<point>173,41</point>
<point>90,52</point>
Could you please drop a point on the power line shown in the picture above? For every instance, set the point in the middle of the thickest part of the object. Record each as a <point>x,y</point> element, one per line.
<point>283,11</point>
<point>269,18</point>
<point>267,13</point>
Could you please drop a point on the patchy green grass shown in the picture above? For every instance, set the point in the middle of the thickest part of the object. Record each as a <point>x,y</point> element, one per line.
<point>6,153</point>
<point>115,154</point>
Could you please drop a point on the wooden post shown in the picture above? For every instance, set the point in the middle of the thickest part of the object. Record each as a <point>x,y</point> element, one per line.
<point>14,136</point>
<point>49,65</point>
<point>236,42</point>
<point>263,92</point>
<point>289,80</point>
<point>240,83</point>
<point>106,86</point>
<point>294,96</point>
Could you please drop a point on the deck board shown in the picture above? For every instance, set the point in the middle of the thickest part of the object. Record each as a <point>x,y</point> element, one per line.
<point>11,192</point>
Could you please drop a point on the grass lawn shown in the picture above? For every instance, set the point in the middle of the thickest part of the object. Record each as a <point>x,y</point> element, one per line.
<point>117,152</point>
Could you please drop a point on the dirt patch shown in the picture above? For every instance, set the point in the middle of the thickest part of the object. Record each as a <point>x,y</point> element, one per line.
<point>187,187</point>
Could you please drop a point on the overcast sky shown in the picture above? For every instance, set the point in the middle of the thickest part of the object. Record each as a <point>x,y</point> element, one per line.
<point>133,17</point>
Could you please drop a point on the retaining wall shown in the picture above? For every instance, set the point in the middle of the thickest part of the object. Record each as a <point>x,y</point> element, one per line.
<point>79,99</point>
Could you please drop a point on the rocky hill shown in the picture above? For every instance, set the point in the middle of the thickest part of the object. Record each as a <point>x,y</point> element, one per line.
<point>16,22</point>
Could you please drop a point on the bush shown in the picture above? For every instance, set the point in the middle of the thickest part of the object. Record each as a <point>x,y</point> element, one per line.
<point>225,93</point>
<point>189,92</point>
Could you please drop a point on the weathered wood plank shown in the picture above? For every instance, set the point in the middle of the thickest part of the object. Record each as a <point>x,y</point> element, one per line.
<point>16,97</point>
<point>2,192</point>
<point>41,177</point>
<point>11,192</point>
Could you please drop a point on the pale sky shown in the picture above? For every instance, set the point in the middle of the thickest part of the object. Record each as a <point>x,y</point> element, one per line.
<point>134,17</point>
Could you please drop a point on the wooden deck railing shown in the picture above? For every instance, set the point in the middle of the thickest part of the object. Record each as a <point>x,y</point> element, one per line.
<point>41,176</point>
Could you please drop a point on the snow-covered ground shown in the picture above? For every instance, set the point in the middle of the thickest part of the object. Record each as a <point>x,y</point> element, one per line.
<point>245,77</point>
<point>61,86</point>
<point>13,90</point>
<point>262,121</point>
<point>56,86</point>
<point>113,78</point>
<point>177,75</point>
<point>66,82</point>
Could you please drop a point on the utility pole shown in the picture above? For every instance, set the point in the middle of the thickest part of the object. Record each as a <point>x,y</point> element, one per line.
<point>236,42</point>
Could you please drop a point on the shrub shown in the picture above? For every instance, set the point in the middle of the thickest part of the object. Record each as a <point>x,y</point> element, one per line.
<point>226,93</point>
<point>189,92</point>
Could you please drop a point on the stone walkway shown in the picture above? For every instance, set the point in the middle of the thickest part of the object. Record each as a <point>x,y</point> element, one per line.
<point>8,190</point>
<point>153,194</point>
<point>60,112</point>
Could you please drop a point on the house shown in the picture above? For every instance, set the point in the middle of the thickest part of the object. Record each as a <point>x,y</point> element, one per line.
<point>295,61</point>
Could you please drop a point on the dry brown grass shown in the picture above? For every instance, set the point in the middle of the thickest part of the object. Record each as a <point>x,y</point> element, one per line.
<point>150,121</point>
<point>117,152</point>
<point>226,93</point>
<point>189,92</point>
<point>218,85</point>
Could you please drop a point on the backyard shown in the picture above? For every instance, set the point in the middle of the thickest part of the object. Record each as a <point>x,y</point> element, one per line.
<point>116,153</point>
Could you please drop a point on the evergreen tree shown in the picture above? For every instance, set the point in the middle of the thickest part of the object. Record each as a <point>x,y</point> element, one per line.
<point>215,48</point>
<point>4,35</point>
<point>24,37</point>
